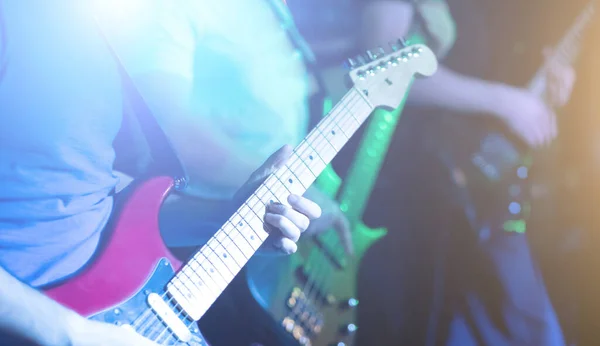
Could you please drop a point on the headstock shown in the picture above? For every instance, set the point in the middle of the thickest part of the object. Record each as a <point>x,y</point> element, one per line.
<point>384,77</point>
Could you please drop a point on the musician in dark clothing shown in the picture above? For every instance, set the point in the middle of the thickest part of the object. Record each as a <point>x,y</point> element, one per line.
<point>486,285</point>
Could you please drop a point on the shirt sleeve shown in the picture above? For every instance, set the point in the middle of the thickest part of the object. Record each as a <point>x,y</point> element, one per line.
<point>152,36</point>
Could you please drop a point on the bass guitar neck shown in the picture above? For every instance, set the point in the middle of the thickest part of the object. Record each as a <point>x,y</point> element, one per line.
<point>312,298</point>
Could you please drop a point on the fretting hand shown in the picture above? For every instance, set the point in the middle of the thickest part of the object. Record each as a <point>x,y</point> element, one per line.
<point>530,116</point>
<point>284,223</point>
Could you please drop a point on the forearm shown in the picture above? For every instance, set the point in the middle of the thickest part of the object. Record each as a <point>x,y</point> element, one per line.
<point>29,315</point>
<point>452,91</point>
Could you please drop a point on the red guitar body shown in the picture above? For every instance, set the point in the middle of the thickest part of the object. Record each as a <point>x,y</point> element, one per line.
<point>132,263</point>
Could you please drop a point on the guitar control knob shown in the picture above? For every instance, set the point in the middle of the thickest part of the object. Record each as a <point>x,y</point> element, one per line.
<point>349,304</point>
<point>349,328</point>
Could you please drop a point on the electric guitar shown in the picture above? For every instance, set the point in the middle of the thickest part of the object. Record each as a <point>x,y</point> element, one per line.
<point>320,273</point>
<point>490,168</point>
<point>134,281</point>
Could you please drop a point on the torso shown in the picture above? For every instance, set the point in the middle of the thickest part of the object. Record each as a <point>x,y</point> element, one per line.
<point>61,102</point>
<point>61,108</point>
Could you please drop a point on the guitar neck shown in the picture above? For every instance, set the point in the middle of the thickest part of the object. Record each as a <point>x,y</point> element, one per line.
<point>210,270</point>
<point>566,51</point>
<point>369,158</point>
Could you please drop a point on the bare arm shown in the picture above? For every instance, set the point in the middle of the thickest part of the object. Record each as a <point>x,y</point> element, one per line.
<point>27,315</point>
<point>525,113</point>
<point>385,21</point>
<point>459,93</point>
<point>30,315</point>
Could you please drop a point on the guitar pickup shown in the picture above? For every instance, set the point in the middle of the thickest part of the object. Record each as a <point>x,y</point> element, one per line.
<point>316,290</point>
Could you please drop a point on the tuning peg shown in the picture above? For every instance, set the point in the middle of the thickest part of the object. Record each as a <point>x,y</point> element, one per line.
<point>360,60</point>
<point>351,64</point>
<point>381,51</point>
<point>393,46</point>
<point>403,42</point>
<point>371,55</point>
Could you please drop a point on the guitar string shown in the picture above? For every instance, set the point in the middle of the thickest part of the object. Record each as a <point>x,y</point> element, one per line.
<point>324,281</point>
<point>148,316</point>
<point>564,52</point>
<point>327,269</point>
<point>329,121</point>
<point>322,264</point>
<point>143,319</point>
<point>299,309</point>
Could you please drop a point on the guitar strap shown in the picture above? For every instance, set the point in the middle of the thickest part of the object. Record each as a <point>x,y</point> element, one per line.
<point>163,158</point>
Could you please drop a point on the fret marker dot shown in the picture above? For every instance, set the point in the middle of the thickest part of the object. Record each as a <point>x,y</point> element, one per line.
<point>310,157</point>
<point>224,255</point>
<point>251,237</point>
<point>291,181</point>
<point>212,270</point>
<point>333,132</point>
<point>241,223</point>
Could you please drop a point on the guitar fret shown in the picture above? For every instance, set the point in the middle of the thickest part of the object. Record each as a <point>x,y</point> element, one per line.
<point>315,161</point>
<point>250,218</point>
<point>224,256</point>
<point>219,264</point>
<point>319,144</point>
<point>291,182</point>
<point>277,188</point>
<point>210,280</point>
<point>183,290</point>
<point>244,245</point>
<point>256,224</point>
<point>190,286</point>
<point>196,300</point>
<point>213,267</point>
<point>199,282</point>
<point>344,128</point>
<point>232,243</point>
<point>184,298</point>
<point>230,240</point>
<point>248,232</point>
<point>301,170</point>
<point>211,270</point>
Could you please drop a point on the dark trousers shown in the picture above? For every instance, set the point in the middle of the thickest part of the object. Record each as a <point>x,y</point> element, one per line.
<point>433,280</point>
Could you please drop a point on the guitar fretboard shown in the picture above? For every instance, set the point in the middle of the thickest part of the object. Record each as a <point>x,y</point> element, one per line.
<point>198,284</point>
<point>566,51</point>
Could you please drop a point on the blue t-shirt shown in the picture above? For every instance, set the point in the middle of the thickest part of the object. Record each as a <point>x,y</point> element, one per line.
<point>61,107</point>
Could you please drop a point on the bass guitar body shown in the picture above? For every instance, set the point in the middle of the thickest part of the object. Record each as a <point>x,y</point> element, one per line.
<point>491,175</point>
<point>316,303</point>
<point>490,167</point>
<point>136,282</point>
<point>311,297</point>
<point>125,283</point>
